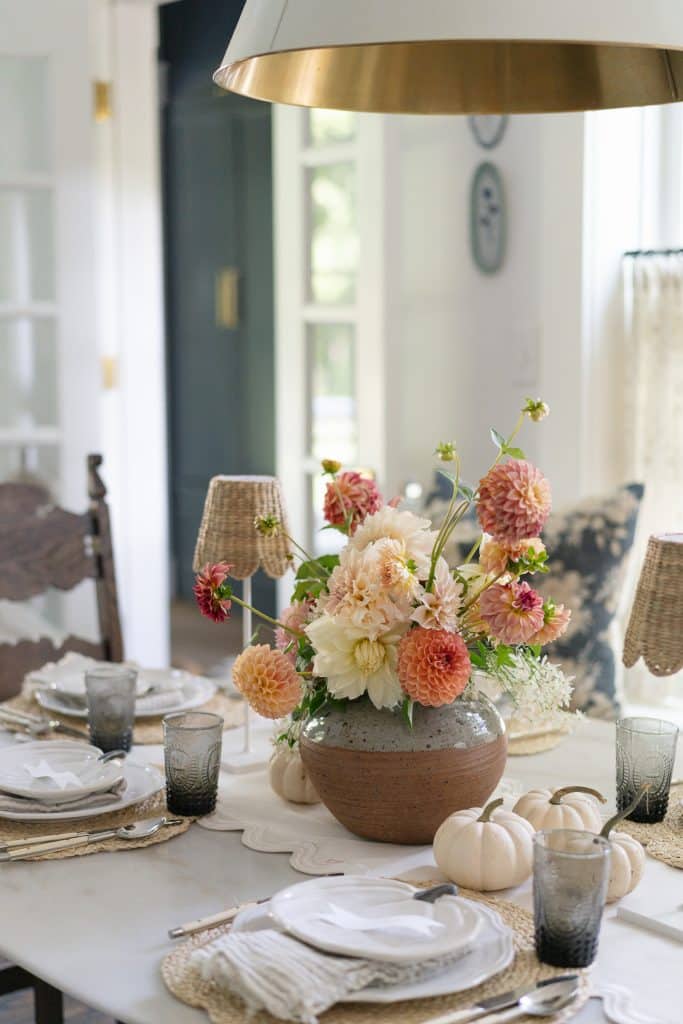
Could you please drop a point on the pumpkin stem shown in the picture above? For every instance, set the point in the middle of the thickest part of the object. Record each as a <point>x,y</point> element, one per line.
<point>556,798</point>
<point>489,809</point>
<point>609,825</point>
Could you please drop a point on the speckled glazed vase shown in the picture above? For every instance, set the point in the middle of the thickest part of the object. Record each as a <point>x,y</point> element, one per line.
<point>385,781</point>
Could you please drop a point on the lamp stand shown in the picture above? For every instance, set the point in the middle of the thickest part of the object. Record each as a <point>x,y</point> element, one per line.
<point>247,760</point>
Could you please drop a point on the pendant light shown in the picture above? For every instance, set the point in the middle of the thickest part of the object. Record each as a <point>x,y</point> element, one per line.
<point>457,56</point>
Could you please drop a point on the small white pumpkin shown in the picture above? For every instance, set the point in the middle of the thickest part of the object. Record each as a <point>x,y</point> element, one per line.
<point>288,777</point>
<point>571,807</point>
<point>627,862</point>
<point>485,849</point>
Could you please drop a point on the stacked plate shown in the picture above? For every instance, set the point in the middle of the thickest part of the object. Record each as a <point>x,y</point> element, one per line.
<point>60,687</point>
<point>379,919</point>
<point>61,780</point>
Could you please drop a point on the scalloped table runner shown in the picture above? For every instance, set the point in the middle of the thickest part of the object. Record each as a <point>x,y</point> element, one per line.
<point>146,730</point>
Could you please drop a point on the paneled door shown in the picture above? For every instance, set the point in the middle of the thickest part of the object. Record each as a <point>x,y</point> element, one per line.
<point>48,350</point>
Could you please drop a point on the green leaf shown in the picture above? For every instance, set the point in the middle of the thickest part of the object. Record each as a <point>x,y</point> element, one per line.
<point>504,657</point>
<point>535,650</point>
<point>497,439</point>
<point>514,453</point>
<point>467,492</point>
<point>312,577</point>
<point>407,711</point>
<point>449,476</point>
<point>477,660</point>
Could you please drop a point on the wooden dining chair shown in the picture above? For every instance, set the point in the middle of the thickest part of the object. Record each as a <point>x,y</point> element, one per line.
<point>44,546</point>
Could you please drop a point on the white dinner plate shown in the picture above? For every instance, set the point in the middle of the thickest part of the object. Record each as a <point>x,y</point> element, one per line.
<point>185,692</point>
<point>142,781</point>
<point>492,952</point>
<point>79,760</point>
<point>376,918</point>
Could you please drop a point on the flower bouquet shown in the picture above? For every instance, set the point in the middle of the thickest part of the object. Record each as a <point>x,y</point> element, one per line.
<point>376,660</point>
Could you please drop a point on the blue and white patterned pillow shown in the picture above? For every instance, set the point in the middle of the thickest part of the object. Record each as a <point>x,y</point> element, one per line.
<point>588,547</point>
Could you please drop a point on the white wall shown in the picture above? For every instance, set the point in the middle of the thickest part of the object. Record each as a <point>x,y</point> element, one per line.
<point>463,348</point>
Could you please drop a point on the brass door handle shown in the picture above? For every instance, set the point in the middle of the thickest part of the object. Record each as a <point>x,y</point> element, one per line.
<point>227,298</point>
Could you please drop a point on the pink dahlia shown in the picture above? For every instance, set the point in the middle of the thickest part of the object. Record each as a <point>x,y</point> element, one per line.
<point>433,666</point>
<point>213,597</point>
<point>496,554</point>
<point>555,621</point>
<point>514,501</point>
<point>267,680</point>
<point>513,612</point>
<point>295,616</point>
<point>349,499</point>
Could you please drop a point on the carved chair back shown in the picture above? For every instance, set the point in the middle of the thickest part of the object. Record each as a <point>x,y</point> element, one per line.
<point>43,546</point>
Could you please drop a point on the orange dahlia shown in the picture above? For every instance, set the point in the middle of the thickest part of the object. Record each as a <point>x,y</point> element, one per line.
<point>514,501</point>
<point>433,666</point>
<point>513,612</point>
<point>267,680</point>
<point>555,621</point>
<point>349,499</point>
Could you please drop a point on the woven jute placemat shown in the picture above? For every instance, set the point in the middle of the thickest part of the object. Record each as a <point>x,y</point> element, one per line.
<point>146,730</point>
<point>185,982</point>
<point>664,840</point>
<point>519,746</point>
<point>152,807</point>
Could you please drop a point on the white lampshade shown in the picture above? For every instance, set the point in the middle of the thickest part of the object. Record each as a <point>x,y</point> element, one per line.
<point>457,56</point>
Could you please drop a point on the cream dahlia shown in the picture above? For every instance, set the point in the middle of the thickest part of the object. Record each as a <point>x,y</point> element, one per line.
<point>433,666</point>
<point>555,621</point>
<point>392,524</point>
<point>267,680</point>
<point>354,663</point>
<point>438,608</point>
<point>514,501</point>
<point>495,554</point>
<point>357,596</point>
<point>349,499</point>
<point>513,612</point>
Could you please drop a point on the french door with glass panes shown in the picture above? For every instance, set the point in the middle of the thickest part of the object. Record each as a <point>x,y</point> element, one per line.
<point>329,298</point>
<point>48,350</point>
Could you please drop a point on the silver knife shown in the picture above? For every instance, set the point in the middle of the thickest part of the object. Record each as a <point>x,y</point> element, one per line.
<point>46,724</point>
<point>493,1003</point>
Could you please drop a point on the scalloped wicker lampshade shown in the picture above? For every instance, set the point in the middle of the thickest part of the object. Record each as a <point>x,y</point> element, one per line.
<point>227,532</point>
<point>655,629</point>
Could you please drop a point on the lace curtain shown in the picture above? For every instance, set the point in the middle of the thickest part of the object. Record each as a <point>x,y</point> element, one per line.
<point>653,418</point>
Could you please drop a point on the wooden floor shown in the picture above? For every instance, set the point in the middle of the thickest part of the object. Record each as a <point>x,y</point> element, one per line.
<point>17,1008</point>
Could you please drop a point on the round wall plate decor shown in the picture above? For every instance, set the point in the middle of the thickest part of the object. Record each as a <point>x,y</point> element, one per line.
<point>488,129</point>
<point>487,219</point>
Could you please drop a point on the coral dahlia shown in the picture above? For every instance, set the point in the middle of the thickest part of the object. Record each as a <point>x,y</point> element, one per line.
<point>514,501</point>
<point>433,666</point>
<point>349,499</point>
<point>267,680</point>
<point>513,612</point>
<point>211,594</point>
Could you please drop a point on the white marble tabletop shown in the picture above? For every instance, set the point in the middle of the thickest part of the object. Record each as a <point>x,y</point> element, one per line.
<point>96,926</point>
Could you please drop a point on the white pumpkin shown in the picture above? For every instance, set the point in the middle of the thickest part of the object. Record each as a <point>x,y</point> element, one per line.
<point>289,779</point>
<point>485,849</point>
<point>572,807</point>
<point>627,861</point>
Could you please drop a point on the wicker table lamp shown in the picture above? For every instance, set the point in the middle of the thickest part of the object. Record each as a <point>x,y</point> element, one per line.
<point>655,629</point>
<point>227,534</point>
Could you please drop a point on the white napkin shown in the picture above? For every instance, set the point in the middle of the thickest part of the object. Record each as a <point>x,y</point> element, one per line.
<point>269,970</point>
<point>44,771</point>
<point>403,923</point>
<point>19,804</point>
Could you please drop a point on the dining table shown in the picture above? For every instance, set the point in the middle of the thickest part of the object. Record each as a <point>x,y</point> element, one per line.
<point>96,927</point>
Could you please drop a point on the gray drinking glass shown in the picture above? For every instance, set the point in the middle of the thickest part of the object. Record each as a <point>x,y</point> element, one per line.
<point>192,756</point>
<point>110,694</point>
<point>646,750</point>
<point>571,875</point>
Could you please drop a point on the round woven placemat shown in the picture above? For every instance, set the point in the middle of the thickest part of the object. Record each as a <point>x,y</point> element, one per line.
<point>521,745</point>
<point>146,730</point>
<point>152,807</point>
<point>664,841</point>
<point>186,984</point>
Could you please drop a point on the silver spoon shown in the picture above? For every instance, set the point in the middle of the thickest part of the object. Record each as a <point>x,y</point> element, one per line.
<point>136,830</point>
<point>540,1002</point>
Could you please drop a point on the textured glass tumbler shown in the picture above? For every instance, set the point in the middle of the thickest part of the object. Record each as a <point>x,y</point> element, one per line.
<point>192,755</point>
<point>646,749</point>
<point>110,693</point>
<point>571,875</point>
